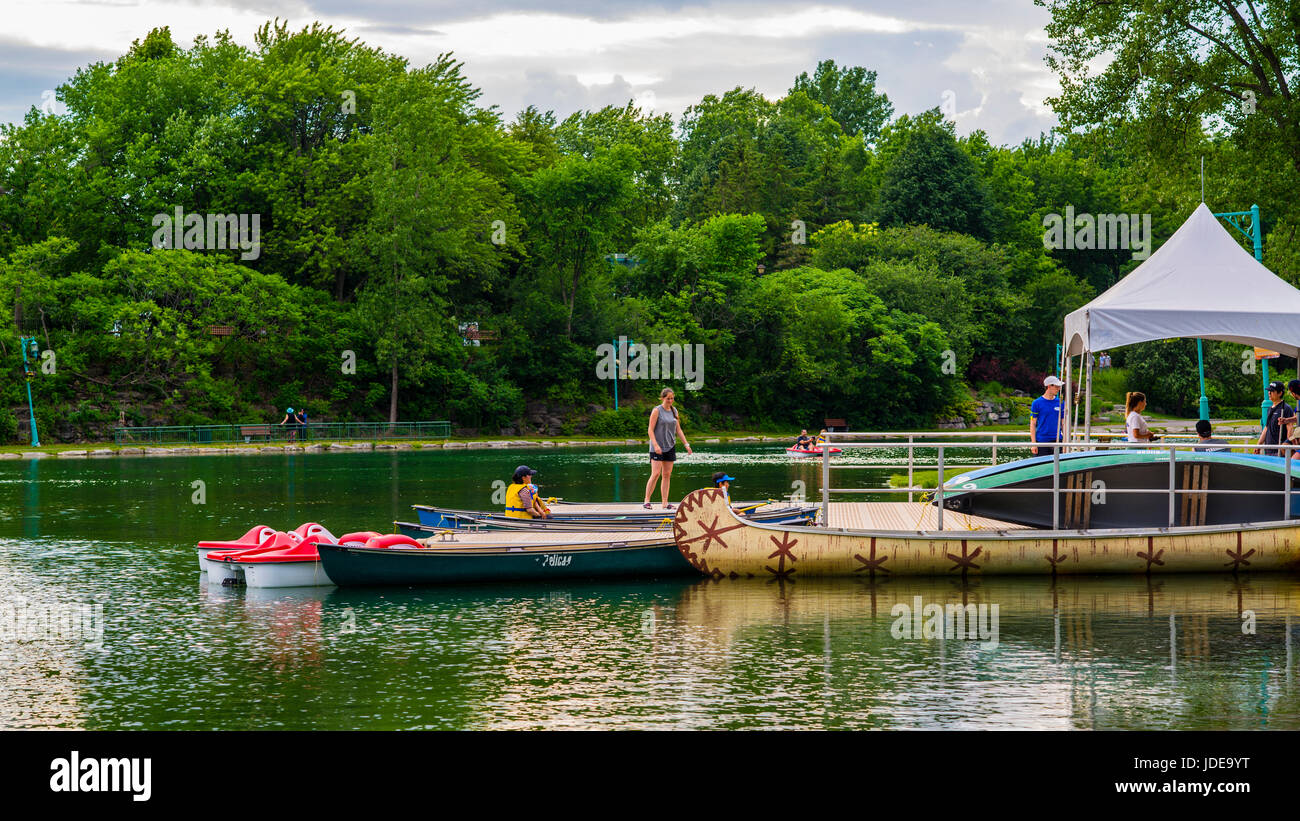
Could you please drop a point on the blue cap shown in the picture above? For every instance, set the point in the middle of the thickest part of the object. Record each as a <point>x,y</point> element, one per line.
<point>720,478</point>
<point>290,410</point>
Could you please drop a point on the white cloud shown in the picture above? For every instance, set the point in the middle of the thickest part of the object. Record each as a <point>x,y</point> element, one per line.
<point>567,54</point>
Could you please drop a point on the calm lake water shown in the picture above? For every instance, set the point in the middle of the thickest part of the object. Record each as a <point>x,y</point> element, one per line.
<point>110,542</point>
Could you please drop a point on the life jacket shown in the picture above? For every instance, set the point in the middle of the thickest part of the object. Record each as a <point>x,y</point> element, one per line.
<point>515,507</point>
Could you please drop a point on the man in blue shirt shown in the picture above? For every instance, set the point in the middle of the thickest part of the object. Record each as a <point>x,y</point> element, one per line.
<point>1045,416</point>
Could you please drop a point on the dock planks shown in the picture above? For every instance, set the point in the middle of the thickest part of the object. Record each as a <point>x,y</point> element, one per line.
<point>907,516</point>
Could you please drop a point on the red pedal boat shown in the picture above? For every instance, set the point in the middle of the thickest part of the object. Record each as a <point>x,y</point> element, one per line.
<point>254,537</point>
<point>281,560</point>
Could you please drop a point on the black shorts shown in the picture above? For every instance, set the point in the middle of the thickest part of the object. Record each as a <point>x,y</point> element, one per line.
<point>669,455</point>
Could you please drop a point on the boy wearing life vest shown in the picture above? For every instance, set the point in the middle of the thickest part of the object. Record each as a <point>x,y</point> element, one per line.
<point>522,498</point>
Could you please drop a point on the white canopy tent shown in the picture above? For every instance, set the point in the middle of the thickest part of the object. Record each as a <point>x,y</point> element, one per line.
<point>1201,284</point>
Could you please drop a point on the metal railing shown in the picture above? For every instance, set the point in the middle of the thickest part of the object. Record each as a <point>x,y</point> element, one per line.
<point>1017,441</point>
<point>269,432</point>
<point>844,441</point>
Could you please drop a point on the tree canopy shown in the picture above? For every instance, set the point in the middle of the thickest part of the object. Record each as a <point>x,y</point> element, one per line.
<point>831,257</point>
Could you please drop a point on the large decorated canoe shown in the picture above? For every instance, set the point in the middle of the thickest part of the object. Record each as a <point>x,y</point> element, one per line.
<point>720,544</point>
<point>1097,489</point>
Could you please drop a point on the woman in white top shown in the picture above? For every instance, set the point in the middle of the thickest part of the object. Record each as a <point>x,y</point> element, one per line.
<point>1136,402</point>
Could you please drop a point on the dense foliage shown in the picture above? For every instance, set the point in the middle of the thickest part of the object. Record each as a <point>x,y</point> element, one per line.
<point>828,258</point>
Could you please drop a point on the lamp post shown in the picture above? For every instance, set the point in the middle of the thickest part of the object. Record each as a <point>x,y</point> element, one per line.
<point>23,342</point>
<point>617,359</point>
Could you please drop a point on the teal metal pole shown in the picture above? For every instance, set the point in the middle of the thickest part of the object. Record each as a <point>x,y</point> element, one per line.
<point>23,342</point>
<point>1257,237</point>
<point>1056,368</point>
<point>1257,233</point>
<point>1266,405</point>
<point>615,374</point>
<point>1200,365</point>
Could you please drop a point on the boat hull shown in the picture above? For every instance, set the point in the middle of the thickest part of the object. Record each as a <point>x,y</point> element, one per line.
<point>307,573</point>
<point>720,545</point>
<point>812,453</point>
<point>353,566</point>
<point>1099,481</point>
<point>204,551</point>
<point>223,572</point>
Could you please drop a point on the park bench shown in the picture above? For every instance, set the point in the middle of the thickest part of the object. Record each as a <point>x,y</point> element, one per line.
<point>250,431</point>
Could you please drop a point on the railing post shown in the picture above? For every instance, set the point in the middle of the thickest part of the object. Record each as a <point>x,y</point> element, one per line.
<point>826,481</point>
<point>1173,483</point>
<point>1290,452</point>
<point>1056,486</point>
<point>911,452</point>
<point>995,449</point>
<point>938,492</point>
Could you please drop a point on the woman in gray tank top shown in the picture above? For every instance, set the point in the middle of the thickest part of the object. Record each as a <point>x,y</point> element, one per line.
<point>665,427</point>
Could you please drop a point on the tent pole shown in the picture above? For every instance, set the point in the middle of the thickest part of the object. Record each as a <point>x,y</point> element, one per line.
<point>1266,405</point>
<point>1074,416</point>
<point>1200,366</point>
<point>1087,399</point>
<point>1064,427</point>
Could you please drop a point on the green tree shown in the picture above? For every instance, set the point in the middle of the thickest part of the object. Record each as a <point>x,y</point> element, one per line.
<point>850,94</point>
<point>434,198</point>
<point>1175,66</point>
<point>933,182</point>
<point>311,97</point>
<point>578,211</point>
<point>589,134</point>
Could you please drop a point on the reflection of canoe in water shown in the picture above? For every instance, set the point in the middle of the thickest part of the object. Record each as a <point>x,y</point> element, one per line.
<point>807,452</point>
<point>717,543</point>
<point>1107,475</point>
<point>507,556</point>
<point>1272,597</point>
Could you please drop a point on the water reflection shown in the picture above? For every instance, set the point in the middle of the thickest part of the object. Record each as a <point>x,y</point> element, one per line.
<point>1098,653</point>
<point>1188,652</point>
<point>32,502</point>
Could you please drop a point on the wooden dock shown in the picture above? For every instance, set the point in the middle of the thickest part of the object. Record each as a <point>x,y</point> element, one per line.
<point>907,516</point>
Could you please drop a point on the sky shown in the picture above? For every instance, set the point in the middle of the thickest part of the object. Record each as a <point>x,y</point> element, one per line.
<point>981,62</point>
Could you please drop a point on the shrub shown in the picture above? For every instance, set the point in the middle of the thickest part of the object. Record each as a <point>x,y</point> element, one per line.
<point>626,422</point>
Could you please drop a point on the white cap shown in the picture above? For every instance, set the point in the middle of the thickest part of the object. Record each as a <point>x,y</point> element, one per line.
<point>1052,380</point>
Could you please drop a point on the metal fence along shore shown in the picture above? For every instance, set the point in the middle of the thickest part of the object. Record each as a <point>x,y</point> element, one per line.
<point>260,432</point>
